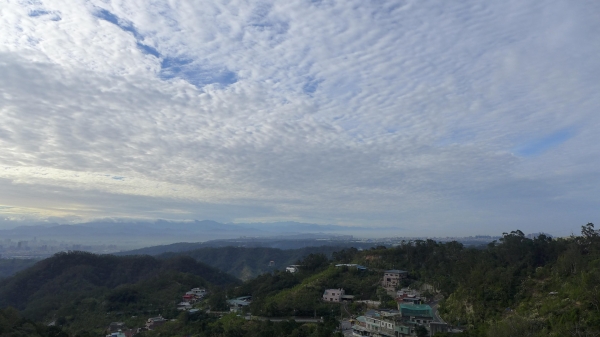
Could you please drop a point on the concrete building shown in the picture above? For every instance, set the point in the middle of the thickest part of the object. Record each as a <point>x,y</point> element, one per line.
<point>154,322</point>
<point>239,303</point>
<point>406,295</point>
<point>184,306</point>
<point>333,295</point>
<point>391,278</point>
<point>398,323</point>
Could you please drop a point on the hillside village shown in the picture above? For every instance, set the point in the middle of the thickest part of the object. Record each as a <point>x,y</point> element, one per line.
<point>415,315</point>
<point>119,329</point>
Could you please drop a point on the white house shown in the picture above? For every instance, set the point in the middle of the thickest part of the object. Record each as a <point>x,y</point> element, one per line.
<point>293,268</point>
<point>333,295</point>
<point>184,306</point>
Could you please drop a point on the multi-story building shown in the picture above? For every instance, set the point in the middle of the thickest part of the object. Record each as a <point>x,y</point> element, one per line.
<point>398,323</point>
<point>391,278</point>
<point>333,295</point>
<point>407,295</point>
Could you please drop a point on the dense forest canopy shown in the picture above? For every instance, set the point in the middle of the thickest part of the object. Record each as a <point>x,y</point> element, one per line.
<point>85,291</point>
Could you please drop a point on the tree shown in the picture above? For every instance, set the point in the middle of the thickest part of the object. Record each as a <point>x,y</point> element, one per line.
<point>421,331</point>
<point>588,231</point>
<point>314,262</point>
<point>217,301</point>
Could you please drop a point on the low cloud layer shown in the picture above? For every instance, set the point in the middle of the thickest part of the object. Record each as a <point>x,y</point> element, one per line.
<point>439,118</point>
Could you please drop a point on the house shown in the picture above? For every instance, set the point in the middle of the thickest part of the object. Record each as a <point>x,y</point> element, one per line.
<point>416,313</point>
<point>199,292</point>
<point>184,306</point>
<point>406,292</point>
<point>189,298</point>
<point>294,268</point>
<point>379,323</point>
<point>410,299</point>
<point>422,314</point>
<point>333,295</point>
<point>406,295</point>
<point>391,278</point>
<point>155,322</point>
<point>239,303</point>
<point>396,323</point>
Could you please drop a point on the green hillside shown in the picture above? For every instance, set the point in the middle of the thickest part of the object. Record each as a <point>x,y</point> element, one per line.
<point>9,267</point>
<point>83,291</point>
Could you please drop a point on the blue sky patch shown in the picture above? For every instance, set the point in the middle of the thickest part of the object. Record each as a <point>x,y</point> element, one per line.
<point>54,16</point>
<point>127,26</point>
<point>199,76</point>
<point>311,86</point>
<point>542,145</point>
<point>38,12</point>
<point>148,50</point>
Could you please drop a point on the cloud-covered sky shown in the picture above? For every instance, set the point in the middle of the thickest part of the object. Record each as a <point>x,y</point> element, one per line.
<point>434,117</point>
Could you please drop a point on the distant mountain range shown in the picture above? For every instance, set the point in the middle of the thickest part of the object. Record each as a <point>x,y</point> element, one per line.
<point>163,231</point>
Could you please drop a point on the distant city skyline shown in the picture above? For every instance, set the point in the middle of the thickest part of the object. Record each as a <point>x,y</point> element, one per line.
<point>427,118</point>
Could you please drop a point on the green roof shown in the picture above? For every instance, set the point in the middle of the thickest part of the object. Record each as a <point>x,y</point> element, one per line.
<point>416,310</point>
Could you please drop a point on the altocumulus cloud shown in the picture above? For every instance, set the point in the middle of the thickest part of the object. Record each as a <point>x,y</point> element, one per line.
<point>442,117</point>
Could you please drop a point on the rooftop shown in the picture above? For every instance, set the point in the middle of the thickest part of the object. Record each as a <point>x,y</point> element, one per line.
<point>416,310</point>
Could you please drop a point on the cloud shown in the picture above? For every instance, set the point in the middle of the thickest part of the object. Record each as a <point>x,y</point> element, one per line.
<point>401,114</point>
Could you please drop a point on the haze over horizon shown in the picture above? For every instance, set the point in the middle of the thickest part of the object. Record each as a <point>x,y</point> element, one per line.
<point>440,118</point>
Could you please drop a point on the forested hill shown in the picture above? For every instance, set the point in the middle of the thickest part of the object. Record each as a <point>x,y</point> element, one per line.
<point>246,263</point>
<point>9,267</point>
<point>515,287</point>
<point>69,284</point>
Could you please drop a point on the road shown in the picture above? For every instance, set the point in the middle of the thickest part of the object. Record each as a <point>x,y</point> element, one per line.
<point>281,319</point>
<point>434,307</point>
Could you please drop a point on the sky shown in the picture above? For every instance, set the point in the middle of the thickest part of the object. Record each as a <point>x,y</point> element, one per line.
<point>435,118</point>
